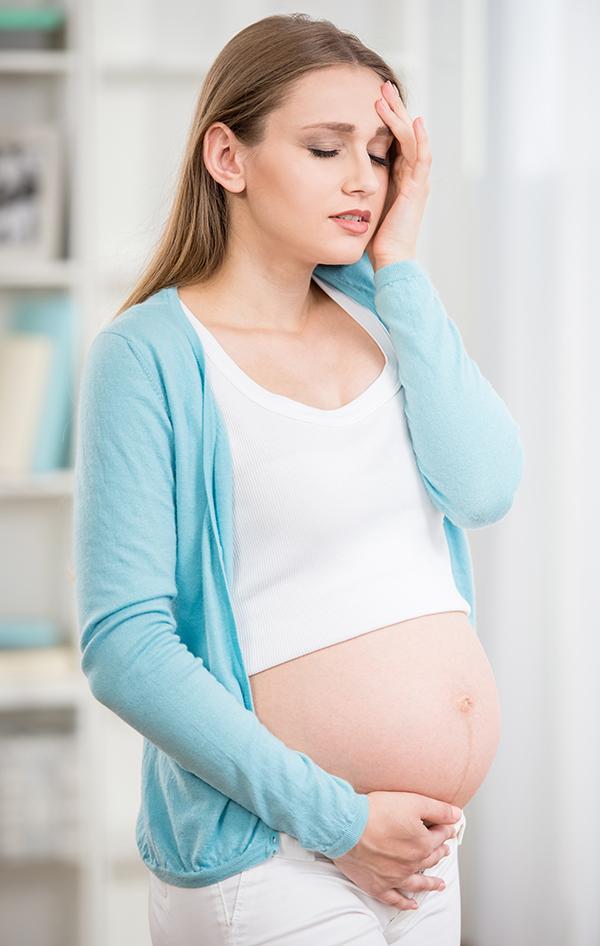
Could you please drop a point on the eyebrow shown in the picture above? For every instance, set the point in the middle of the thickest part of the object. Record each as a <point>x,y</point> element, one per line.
<point>382,131</point>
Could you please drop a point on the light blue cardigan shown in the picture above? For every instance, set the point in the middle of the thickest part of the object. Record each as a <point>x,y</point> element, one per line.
<point>153,533</point>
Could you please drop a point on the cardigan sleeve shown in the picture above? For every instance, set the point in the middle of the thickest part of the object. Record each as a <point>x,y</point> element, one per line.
<point>466,444</point>
<point>137,665</point>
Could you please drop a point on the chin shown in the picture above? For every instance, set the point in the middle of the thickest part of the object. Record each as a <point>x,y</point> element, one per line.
<point>342,257</point>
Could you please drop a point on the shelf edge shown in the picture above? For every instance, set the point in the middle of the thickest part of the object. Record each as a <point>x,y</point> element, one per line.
<point>59,483</point>
<point>36,62</point>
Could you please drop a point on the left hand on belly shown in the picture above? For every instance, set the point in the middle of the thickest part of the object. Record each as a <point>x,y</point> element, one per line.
<point>397,843</point>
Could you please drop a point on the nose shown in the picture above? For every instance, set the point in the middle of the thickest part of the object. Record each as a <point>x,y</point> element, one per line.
<point>361,177</point>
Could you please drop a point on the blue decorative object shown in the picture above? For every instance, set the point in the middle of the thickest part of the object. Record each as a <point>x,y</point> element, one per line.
<point>26,633</point>
<point>53,316</point>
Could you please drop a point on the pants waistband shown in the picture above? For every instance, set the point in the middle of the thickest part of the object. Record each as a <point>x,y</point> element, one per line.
<point>292,849</point>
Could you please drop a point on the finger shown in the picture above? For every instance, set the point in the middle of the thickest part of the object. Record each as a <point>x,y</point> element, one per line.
<point>413,139</point>
<point>435,813</point>
<point>435,857</point>
<point>392,97</point>
<point>439,834</point>
<point>404,135</point>
<point>394,898</point>
<point>422,883</point>
<point>437,845</point>
<point>394,114</point>
<point>422,165</point>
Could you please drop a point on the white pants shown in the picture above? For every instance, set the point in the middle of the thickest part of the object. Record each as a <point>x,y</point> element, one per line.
<point>299,898</point>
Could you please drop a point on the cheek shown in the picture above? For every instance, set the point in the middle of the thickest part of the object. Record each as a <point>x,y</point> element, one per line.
<point>283,193</point>
<point>381,197</point>
<point>276,188</point>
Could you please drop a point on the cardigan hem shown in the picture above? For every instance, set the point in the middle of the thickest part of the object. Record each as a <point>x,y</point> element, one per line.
<point>214,875</point>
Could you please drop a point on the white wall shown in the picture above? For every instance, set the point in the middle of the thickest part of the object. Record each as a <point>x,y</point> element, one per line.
<point>539,825</point>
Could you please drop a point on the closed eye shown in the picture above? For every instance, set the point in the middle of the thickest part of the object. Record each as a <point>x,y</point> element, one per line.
<point>331,154</point>
<point>381,161</point>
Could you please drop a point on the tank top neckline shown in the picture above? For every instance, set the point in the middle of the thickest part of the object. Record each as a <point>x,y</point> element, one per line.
<point>384,387</point>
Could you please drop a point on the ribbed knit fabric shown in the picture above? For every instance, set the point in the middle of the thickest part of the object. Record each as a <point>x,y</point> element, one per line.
<point>334,534</point>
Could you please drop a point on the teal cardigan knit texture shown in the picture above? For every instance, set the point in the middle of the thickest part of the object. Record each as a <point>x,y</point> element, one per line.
<point>153,559</point>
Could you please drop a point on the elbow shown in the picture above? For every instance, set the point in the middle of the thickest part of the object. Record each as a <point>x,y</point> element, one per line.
<point>101,678</point>
<point>478,514</point>
<point>106,674</point>
<point>493,500</point>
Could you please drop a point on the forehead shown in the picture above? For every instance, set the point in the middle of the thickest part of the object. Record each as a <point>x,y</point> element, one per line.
<point>338,94</point>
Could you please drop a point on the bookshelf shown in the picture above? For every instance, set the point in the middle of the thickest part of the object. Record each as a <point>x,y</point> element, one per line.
<point>70,874</point>
<point>121,88</point>
<point>51,889</point>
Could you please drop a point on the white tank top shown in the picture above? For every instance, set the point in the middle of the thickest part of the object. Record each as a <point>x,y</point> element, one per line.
<point>334,534</point>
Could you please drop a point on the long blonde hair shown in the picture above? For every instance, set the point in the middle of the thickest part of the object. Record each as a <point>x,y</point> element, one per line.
<point>246,82</point>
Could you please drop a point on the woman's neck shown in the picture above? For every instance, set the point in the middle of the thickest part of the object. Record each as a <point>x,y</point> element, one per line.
<point>257,295</point>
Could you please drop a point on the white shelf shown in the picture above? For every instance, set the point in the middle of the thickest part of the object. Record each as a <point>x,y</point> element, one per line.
<point>59,483</point>
<point>53,693</point>
<point>24,273</point>
<point>26,687</point>
<point>37,62</point>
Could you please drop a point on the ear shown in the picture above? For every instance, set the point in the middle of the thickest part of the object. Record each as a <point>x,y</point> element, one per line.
<point>223,158</point>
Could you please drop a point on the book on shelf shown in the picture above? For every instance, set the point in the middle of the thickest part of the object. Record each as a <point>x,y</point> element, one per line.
<point>22,632</point>
<point>36,385</point>
<point>39,783</point>
<point>30,26</point>
<point>25,362</point>
<point>35,665</point>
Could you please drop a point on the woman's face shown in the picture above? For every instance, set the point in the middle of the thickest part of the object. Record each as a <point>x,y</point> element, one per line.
<point>321,164</point>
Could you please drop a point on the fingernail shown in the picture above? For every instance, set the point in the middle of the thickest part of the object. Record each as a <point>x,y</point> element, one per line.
<point>385,104</point>
<point>456,812</point>
<point>395,88</point>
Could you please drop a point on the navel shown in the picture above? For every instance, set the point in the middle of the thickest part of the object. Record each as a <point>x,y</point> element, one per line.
<point>465,703</point>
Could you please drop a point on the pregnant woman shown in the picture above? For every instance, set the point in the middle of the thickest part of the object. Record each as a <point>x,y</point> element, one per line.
<point>281,441</point>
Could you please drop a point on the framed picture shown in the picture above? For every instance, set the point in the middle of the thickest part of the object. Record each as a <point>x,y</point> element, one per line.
<point>30,192</point>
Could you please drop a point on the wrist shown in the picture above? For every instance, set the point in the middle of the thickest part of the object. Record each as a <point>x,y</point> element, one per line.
<point>380,261</point>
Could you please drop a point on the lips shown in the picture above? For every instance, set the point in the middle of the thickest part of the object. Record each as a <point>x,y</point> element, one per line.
<point>353,221</point>
<point>358,215</point>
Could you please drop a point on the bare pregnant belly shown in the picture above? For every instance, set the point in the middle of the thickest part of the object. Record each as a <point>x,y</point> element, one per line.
<point>407,708</point>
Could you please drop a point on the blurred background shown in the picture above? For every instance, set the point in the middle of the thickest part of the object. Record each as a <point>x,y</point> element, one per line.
<point>95,101</point>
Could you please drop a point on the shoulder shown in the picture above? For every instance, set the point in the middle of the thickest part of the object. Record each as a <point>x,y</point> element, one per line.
<point>151,323</point>
<point>150,343</point>
<point>156,332</point>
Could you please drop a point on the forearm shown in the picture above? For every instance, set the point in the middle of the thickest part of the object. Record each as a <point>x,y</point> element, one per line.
<point>164,692</point>
<point>127,547</point>
<point>465,441</point>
